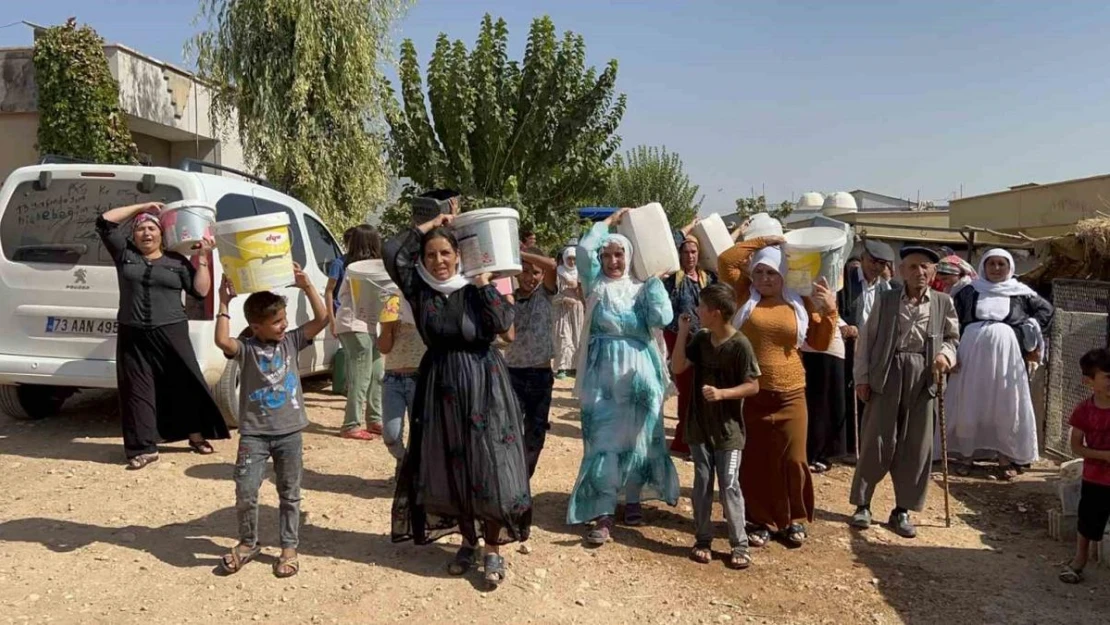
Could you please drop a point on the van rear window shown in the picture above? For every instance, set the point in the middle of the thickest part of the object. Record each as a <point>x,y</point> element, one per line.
<point>58,224</point>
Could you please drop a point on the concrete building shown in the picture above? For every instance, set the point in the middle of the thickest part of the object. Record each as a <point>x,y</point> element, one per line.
<point>166,107</point>
<point>1037,210</point>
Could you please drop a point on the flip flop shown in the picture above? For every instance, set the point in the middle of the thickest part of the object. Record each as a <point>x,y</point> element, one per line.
<point>140,461</point>
<point>1071,576</point>
<point>234,561</point>
<point>740,559</point>
<point>701,555</point>
<point>464,559</point>
<point>495,569</point>
<point>203,448</point>
<point>291,566</point>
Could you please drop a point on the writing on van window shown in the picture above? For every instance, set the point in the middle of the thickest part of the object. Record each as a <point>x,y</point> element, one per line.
<point>66,212</point>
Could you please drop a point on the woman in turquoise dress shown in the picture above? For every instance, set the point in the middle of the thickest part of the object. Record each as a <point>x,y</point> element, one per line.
<point>621,385</point>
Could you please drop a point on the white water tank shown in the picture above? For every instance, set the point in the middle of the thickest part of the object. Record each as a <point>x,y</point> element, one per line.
<point>839,203</point>
<point>810,201</point>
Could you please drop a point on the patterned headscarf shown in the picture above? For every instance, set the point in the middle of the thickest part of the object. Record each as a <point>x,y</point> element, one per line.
<point>680,275</point>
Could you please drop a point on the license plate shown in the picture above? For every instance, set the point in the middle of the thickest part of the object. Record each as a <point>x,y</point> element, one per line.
<point>91,327</point>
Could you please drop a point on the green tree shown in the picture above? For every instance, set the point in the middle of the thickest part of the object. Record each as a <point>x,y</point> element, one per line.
<point>535,134</point>
<point>650,174</point>
<point>78,100</point>
<point>748,206</point>
<point>302,81</point>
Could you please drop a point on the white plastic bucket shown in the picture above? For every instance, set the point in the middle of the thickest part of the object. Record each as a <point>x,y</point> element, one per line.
<point>185,224</point>
<point>763,225</point>
<point>489,242</point>
<point>845,251</point>
<point>370,286</point>
<point>713,240</point>
<point>256,252</point>
<point>812,254</point>
<point>650,233</point>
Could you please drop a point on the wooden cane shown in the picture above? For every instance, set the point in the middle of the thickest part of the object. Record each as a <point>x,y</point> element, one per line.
<point>943,447</point>
<point>855,421</point>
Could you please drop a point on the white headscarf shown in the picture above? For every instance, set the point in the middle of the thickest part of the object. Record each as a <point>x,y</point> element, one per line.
<point>568,274</point>
<point>448,286</point>
<point>994,298</point>
<point>622,292</point>
<point>1008,287</point>
<point>774,258</point>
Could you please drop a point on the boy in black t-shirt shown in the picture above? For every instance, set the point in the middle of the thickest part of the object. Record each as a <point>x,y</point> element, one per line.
<point>725,372</point>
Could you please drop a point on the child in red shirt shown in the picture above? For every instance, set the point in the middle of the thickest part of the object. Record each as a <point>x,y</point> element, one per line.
<point>1090,440</point>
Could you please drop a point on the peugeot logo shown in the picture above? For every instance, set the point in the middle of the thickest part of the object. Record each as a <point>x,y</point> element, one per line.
<point>80,281</point>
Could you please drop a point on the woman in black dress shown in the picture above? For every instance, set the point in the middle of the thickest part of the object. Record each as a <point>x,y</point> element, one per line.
<point>464,470</point>
<point>163,396</point>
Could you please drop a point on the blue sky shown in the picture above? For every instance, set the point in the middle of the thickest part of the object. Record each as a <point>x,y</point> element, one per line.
<point>895,97</point>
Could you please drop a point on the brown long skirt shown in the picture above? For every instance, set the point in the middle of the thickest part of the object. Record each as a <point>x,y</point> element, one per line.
<point>774,474</point>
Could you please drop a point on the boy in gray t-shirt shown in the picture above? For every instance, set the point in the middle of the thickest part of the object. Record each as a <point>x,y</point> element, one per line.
<point>271,414</point>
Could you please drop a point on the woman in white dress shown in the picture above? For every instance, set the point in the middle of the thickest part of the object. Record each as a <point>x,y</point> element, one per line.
<point>1002,327</point>
<point>569,313</point>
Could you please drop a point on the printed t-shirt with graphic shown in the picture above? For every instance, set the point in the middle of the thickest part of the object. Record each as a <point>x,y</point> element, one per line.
<point>271,402</point>
<point>1094,422</point>
<point>408,347</point>
<point>534,345</point>
<point>732,363</point>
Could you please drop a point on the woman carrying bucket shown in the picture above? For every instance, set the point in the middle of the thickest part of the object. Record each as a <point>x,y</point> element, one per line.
<point>774,473</point>
<point>464,470</point>
<point>163,396</point>
<point>621,383</point>
<point>684,289</point>
<point>568,314</point>
<point>362,419</point>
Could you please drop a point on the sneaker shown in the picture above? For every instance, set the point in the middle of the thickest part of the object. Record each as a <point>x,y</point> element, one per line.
<point>900,524</point>
<point>862,518</point>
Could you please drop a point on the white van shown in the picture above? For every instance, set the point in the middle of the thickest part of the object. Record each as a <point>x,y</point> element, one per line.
<point>58,289</point>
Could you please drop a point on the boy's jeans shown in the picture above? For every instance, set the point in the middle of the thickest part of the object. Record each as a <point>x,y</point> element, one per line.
<point>533,390</point>
<point>250,470</point>
<point>726,466</point>
<point>398,395</point>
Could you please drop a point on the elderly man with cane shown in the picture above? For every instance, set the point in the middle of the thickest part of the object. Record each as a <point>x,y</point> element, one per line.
<point>909,340</point>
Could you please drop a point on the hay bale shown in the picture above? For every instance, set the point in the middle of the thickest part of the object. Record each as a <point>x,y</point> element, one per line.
<point>1081,255</point>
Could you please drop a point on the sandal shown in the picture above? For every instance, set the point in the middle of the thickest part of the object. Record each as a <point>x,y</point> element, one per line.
<point>236,558</point>
<point>375,429</point>
<point>1070,575</point>
<point>633,515</point>
<point>1007,473</point>
<point>818,467</point>
<point>600,534</point>
<point>759,537</point>
<point>203,448</point>
<point>464,559</point>
<point>495,569</point>
<point>701,555</point>
<point>140,461</point>
<point>286,567</point>
<point>795,534</point>
<point>740,559</point>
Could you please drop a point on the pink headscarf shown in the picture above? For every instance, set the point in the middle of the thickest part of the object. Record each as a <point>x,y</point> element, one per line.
<point>142,218</point>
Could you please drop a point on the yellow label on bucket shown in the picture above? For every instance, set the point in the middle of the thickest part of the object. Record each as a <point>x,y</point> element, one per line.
<point>257,260</point>
<point>802,270</point>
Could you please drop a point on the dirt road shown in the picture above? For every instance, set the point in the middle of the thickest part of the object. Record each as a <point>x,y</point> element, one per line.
<point>84,541</point>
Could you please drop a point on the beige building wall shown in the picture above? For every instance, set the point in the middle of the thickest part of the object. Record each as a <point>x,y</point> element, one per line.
<point>20,135</point>
<point>1042,210</point>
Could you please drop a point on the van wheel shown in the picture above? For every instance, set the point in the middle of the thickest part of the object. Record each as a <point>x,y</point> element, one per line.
<point>31,402</point>
<point>226,392</point>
